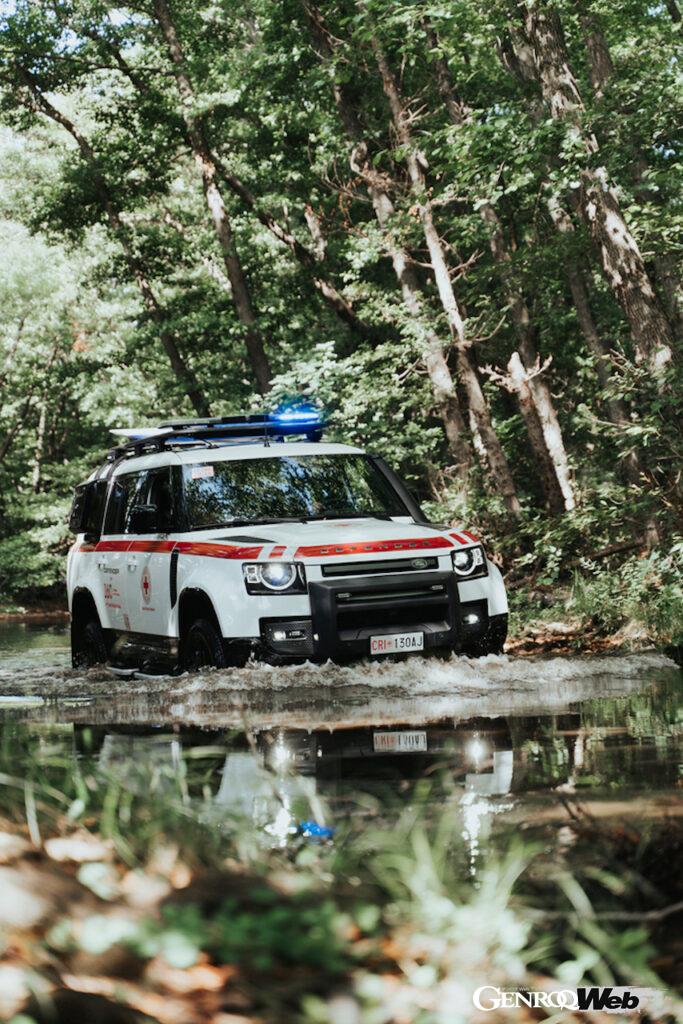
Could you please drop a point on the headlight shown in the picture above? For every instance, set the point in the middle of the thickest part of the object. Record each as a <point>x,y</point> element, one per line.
<point>469,563</point>
<point>274,577</point>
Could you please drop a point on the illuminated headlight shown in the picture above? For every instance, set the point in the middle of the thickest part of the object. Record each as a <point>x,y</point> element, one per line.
<point>469,563</point>
<point>274,577</point>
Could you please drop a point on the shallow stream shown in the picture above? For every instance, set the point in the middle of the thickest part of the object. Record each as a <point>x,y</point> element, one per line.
<point>506,741</point>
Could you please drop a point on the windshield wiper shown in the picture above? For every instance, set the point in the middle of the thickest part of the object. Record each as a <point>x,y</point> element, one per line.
<point>255,521</point>
<point>333,514</point>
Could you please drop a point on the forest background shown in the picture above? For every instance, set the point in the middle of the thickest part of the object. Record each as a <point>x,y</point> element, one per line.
<point>456,226</point>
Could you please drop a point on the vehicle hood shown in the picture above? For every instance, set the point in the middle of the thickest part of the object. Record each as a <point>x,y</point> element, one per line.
<point>318,541</point>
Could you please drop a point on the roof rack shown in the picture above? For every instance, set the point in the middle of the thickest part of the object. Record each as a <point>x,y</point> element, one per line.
<point>217,430</point>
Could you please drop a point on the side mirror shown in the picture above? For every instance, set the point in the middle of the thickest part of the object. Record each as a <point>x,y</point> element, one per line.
<point>144,519</point>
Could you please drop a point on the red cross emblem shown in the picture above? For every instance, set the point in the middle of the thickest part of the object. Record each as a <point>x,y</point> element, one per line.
<point>146,584</point>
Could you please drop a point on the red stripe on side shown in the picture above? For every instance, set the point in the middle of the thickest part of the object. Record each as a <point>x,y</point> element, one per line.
<point>460,540</point>
<point>368,547</point>
<point>165,547</point>
<point>471,536</point>
<point>208,550</point>
<point>278,551</point>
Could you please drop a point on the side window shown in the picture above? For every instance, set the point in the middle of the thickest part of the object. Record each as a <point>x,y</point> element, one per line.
<point>156,490</point>
<point>122,497</point>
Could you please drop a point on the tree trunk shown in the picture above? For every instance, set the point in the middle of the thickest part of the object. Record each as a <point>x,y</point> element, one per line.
<point>600,66</point>
<point>335,299</point>
<point>559,479</point>
<point>433,357</point>
<point>432,348</point>
<point>316,233</point>
<point>674,11</point>
<point>9,358</point>
<point>617,411</point>
<point>603,364</point>
<point>662,266</point>
<point>310,261</point>
<point>26,406</point>
<point>531,411</point>
<point>180,368</point>
<point>554,465</point>
<point>39,448</point>
<point>17,424</point>
<point>622,262</point>
<point>206,165</point>
<point>497,462</point>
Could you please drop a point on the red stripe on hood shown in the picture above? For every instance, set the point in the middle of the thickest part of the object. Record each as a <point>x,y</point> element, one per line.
<point>372,546</point>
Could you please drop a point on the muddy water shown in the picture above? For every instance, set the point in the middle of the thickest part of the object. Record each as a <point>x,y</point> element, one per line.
<point>506,741</point>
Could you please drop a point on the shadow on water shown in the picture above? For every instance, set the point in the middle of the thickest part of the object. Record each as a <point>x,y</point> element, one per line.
<point>501,740</point>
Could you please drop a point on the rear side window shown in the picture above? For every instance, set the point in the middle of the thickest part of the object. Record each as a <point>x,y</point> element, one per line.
<point>87,510</point>
<point>124,494</point>
<point>153,487</point>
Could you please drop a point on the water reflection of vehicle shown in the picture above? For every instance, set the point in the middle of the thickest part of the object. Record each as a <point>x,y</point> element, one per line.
<point>287,776</point>
<point>380,754</point>
<point>365,758</point>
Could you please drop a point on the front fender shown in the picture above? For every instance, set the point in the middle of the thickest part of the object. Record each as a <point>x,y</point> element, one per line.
<point>498,600</point>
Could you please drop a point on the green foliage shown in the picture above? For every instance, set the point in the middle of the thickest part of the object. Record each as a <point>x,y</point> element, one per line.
<point>81,351</point>
<point>643,590</point>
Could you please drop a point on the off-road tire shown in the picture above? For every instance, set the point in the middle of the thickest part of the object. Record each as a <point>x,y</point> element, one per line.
<point>493,641</point>
<point>88,644</point>
<point>202,647</point>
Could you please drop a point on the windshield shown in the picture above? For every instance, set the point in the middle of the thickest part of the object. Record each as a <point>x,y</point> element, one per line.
<point>305,487</point>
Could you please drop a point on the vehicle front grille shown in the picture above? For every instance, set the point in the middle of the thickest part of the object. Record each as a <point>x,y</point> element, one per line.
<point>352,610</point>
<point>354,620</point>
<point>365,609</point>
<point>378,567</point>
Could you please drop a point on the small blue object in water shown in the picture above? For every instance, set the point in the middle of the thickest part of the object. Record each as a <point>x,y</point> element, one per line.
<point>312,830</point>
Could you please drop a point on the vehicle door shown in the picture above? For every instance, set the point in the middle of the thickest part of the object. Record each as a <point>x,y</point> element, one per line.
<point>112,549</point>
<point>149,556</point>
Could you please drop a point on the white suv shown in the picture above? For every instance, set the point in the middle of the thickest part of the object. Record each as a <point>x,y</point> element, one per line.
<point>200,543</point>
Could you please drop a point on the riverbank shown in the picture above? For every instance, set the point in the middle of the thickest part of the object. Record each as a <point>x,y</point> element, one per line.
<point>35,615</point>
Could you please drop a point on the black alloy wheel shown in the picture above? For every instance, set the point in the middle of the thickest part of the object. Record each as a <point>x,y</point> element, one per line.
<point>202,647</point>
<point>89,646</point>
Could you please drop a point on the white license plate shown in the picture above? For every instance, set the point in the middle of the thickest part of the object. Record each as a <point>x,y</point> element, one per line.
<point>396,643</point>
<point>399,742</point>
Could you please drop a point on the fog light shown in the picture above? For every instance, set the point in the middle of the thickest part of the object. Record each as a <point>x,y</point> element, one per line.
<point>471,619</point>
<point>294,637</point>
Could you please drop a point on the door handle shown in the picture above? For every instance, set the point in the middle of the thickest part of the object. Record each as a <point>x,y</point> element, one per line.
<point>132,566</point>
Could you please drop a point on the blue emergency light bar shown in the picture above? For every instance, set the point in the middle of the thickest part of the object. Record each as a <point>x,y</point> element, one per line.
<point>288,421</point>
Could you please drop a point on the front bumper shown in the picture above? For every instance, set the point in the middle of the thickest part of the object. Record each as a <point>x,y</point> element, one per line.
<point>346,612</point>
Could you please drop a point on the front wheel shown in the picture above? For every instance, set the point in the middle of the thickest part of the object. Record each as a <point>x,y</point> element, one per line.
<point>202,647</point>
<point>493,640</point>
<point>88,645</point>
